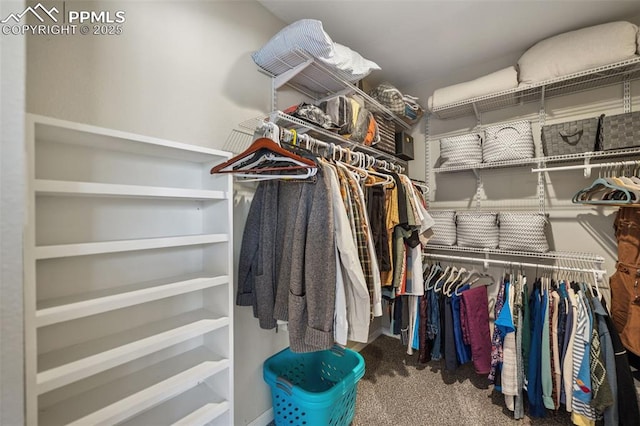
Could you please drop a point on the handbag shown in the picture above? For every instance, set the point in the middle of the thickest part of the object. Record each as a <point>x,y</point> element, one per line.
<point>523,231</point>
<point>508,141</point>
<point>477,229</point>
<point>461,150</point>
<point>619,131</point>
<point>444,228</point>
<point>389,96</point>
<point>571,137</point>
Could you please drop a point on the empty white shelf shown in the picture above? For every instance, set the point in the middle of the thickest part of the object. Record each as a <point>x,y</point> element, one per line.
<point>71,364</point>
<point>49,129</point>
<point>58,187</point>
<point>197,406</point>
<point>83,249</point>
<point>157,385</point>
<point>88,305</point>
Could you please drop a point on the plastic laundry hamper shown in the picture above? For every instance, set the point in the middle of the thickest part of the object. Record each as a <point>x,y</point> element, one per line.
<point>315,388</point>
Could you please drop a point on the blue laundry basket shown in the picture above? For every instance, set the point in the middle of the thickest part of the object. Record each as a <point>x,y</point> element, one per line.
<point>314,389</point>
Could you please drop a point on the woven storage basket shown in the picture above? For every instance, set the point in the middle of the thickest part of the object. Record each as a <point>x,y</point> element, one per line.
<point>571,137</point>
<point>387,131</point>
<point>508,141</point>
<point>461,150</point>
<point>523,231</point>
<point>444,230</point>
<point>620,131</point>
<point>477,229</point>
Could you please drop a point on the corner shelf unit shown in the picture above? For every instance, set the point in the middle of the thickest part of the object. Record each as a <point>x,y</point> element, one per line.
<point>606,75</point>
<point>312,78</point>
<point>128,279</point>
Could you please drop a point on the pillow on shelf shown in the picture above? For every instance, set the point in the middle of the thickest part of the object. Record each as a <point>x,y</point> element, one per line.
<point>577,51</point>
<point>308,35</point>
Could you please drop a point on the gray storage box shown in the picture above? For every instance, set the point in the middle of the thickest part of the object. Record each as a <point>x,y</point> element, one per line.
<point>571,137</point>
<point>620,131</point>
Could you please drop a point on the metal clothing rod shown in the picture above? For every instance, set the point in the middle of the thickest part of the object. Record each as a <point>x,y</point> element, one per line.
<point>587,166</point>
<point>289,136</point>
<point>508,263</point>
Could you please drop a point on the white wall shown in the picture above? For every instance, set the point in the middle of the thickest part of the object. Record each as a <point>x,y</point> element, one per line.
<point>12,65</point>
<point>180,71</point>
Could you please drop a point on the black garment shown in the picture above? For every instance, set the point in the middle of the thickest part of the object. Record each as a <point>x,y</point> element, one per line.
<point>377,220</point>
<point>450,358</point>
<point>425,345</point>
<point>628,412</point>
<point>397,315</point>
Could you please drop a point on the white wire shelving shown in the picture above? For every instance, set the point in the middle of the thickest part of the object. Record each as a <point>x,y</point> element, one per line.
<point>311,77</point>
<point>585,156</point>
<point>573,83</point>
<point>552,255</point>
<point>285,120</point>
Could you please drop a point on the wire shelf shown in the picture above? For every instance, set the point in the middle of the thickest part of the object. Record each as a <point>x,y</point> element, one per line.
<point>573,83</point>
<point>554,255</point>
<point>311,77</point>
<point>302,127</point>
<point>537,160</point>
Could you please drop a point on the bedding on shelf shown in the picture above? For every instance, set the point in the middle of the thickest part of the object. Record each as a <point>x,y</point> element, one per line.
<point>549,59</point>
<point>578,50</point>
<point>281,53</point>
<point>498,81</point>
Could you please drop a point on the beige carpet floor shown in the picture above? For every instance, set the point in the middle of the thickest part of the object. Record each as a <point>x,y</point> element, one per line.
<point>396,390</point>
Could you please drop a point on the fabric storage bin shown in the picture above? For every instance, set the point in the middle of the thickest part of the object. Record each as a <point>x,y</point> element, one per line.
<point>571,137</point>
<point>508,141</point>
<point>387,131</point>
<point>477,229</point>
<point>461,150</point>
<point>620,131</point>
<point>523,231</point>
<point>444,229</point>
<point>315,388</point>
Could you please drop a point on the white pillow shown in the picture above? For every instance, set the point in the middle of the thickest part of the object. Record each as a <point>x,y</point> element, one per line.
<point>350,62</point>
<point>309,36</point>
<point>578,50</point>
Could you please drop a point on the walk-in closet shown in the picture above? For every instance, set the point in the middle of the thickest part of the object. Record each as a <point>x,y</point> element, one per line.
<point>268,212</point>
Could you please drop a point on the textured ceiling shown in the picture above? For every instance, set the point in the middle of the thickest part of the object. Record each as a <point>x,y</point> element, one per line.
<point>418,41</point>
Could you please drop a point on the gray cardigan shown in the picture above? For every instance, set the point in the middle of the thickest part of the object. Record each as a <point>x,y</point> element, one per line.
<point>287,265</point>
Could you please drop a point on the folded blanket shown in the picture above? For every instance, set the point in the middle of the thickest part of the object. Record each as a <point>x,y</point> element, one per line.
<point>498,81</point>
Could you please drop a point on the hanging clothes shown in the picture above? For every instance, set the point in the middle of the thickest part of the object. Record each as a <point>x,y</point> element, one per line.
<point>474,316</point>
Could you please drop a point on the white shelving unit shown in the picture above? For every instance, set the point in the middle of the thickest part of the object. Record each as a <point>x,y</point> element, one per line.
<point>128,279</point>
<point>606,75</point>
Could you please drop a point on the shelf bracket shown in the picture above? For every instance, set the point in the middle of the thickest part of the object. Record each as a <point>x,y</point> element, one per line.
<point>587,168</point>
<point>282,79</point>
<point>479,188</point>
<point>542,114</point>
<point>486,260</point>
<point>477,113</point>
<point>626,95</point>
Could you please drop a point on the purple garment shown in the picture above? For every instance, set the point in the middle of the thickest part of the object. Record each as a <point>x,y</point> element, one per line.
<point>474,314</point>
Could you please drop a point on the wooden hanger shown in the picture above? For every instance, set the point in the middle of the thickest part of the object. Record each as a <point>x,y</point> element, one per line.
<point>263,145</point>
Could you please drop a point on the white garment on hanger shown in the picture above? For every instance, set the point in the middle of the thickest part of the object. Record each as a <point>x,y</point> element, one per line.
<point>340,323</point>
<point>355,288</point>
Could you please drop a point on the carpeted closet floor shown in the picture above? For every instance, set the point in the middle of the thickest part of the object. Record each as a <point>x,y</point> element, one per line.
<point>396,390</point>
